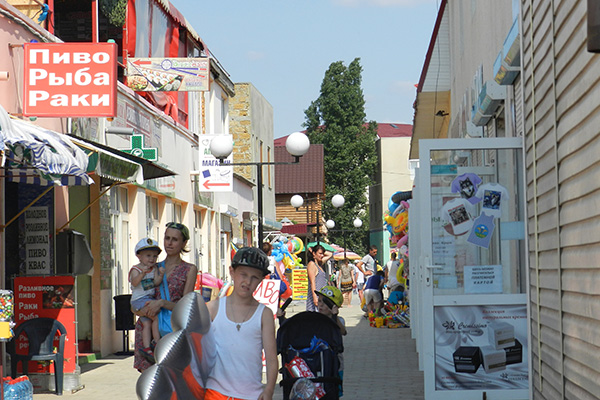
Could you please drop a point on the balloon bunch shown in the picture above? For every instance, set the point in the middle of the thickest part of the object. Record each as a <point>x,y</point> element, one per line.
<point>396,221</point>
<point>184,358</point>
<point>285,254</point>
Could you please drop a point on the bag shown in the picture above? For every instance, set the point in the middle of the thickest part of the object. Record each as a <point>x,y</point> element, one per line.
<point>164,317</point>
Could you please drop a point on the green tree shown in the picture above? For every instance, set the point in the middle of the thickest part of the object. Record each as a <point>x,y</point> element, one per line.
<point>337,119</point>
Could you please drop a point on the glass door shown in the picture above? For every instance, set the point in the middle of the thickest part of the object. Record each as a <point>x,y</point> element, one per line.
<point>473,269</point>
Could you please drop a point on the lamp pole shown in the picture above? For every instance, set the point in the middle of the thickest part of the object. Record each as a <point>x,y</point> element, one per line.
<point>297,144</point>
<point>337,201</point>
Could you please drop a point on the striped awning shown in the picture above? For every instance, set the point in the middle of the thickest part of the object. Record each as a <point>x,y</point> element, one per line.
<point>32,154</point>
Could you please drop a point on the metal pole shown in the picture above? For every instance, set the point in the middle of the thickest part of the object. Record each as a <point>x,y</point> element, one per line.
<point>318,224</point>
<point>260,204</point>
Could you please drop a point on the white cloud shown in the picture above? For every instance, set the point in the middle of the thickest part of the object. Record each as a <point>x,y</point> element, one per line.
<point>380,3</point>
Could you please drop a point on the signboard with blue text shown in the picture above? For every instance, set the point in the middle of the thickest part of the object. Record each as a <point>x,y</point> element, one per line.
<point>214,176</point>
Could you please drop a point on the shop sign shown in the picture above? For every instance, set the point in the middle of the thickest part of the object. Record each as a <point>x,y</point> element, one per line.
<point>70,79</point>
<point>47,297</point>
<point>168,74</point>
<point>37,234</point>
<point>214,177</point>
<point>299,284</point>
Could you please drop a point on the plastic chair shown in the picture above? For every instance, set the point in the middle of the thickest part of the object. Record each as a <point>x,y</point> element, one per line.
<point>40,333</point>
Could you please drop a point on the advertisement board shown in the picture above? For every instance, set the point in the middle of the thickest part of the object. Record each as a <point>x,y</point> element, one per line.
<point>47,297</point>
<point>214,176</point>
<point>70,80</point>
<point>168,74</point>
<point>481,347</point>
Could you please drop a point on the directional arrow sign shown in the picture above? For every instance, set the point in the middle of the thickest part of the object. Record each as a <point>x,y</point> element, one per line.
<point>214,177</point>
<point>208,184</point>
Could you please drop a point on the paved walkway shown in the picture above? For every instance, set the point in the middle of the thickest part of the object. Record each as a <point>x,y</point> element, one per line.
<point>379,364</point>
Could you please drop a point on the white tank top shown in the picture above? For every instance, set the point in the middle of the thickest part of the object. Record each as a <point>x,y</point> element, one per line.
<point>238,368</point>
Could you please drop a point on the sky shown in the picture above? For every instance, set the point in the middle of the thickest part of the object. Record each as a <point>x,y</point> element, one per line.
<point>284,47</point>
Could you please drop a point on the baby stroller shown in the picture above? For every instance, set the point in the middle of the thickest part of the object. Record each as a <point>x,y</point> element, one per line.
<point>303,331</point>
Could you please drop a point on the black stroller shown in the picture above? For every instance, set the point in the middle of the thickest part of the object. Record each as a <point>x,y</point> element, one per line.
<point>298,333</point>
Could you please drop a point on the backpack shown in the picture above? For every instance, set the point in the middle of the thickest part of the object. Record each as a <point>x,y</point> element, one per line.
<point>296,334</point>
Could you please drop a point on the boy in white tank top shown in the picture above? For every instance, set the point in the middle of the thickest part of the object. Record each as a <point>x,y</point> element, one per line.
<point>242,329</point>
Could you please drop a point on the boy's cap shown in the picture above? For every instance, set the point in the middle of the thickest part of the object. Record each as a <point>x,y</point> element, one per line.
<point>332,293</point>
<point>145,244</point>
<point>251,257</point>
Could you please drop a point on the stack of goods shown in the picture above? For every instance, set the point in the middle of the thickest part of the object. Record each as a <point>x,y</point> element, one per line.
<point>7,314</point>
<point>392,316</point>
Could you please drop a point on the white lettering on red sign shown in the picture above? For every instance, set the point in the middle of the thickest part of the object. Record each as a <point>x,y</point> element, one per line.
<point>70,79</point>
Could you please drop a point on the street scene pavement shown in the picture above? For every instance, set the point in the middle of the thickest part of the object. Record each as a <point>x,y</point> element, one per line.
<point>380,363</point>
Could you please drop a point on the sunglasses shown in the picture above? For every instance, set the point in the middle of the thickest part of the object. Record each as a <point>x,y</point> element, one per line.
<point>181,228</point>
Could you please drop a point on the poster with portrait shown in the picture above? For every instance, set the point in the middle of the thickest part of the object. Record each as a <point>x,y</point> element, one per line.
<point>481,347</point>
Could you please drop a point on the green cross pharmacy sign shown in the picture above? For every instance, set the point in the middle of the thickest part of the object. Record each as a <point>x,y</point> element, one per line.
<point>138,149</point>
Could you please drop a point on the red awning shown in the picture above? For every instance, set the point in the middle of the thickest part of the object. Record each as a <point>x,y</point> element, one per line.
<point>297,229</point>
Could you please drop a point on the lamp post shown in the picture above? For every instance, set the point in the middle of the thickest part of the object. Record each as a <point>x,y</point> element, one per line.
<point>297,144</point>
<point>357,224</point>
<point>337,201</point>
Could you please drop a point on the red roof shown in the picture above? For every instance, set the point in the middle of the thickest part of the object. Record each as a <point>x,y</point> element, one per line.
<point>308,176</point>
<point>394,130</point>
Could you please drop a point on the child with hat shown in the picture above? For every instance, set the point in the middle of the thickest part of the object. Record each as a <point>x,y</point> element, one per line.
<point>144,277</point>
<point>242,328</point>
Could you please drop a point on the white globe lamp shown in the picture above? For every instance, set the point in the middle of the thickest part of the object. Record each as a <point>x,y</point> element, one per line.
<point>221,146</point>
<point>297,144</point>
<point>357,223</point>
<point>338,200</point>
<point>296,201</point>
<point>330,224</point>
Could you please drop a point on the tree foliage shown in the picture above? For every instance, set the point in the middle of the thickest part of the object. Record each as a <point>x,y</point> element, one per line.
<point>337,119</point>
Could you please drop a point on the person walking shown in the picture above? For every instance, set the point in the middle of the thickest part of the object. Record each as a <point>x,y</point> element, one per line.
<point>317,277</point>
<point>346,281</point>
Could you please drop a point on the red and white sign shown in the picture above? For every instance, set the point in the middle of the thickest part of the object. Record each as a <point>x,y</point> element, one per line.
<point>70,80</point>
<point>267,293</point>
<point>48,297</point>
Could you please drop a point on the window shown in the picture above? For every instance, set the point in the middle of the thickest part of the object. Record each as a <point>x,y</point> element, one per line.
<point>152,220</point>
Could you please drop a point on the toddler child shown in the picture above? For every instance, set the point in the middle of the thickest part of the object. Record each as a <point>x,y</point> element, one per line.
<point>330,301</point>
<point>144,277</point>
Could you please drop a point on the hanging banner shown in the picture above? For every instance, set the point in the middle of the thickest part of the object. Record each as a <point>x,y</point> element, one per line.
<point>482,347</point>
<point>168,74</point>
<point>70,80</point>
<point>47,297</point>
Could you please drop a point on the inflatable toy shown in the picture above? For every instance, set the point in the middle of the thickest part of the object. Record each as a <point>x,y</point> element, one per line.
<point>184,358</point>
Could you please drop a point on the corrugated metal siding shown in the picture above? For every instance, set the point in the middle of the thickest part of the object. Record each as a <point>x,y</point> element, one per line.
<point>560,88</point>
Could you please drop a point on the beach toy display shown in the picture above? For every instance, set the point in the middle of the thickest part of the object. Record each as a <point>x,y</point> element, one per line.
<point>7,314</point>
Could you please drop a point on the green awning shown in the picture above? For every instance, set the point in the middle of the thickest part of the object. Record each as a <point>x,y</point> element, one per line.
<point>110,167</point>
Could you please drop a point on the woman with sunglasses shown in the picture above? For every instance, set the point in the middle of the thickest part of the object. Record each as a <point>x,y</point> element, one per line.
<point>180,276</point>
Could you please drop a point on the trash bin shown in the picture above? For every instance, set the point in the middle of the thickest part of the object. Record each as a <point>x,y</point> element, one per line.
<point>124,320</point>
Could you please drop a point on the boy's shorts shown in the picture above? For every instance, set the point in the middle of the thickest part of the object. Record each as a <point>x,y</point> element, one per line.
<point>372,295</point>
<point>138,304</point>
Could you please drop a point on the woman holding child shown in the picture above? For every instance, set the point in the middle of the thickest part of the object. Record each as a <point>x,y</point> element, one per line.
<point>180,276</point>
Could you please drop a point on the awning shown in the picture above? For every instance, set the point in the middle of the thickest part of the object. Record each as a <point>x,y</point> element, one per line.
<point>110,167</point>
<point>151,170</point>
<point>35,155</point>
